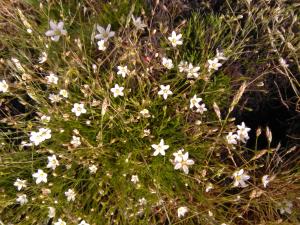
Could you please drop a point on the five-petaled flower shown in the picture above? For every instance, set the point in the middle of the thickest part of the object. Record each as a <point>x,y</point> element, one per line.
<point>175,39</point>
<point>194,102</point>
<point>168,63</point>
<point>20,184</point>
<point>56,30</point>
<point>123,71</point>
<point>242,133</point>
<point>70,194</point>
<point>104,34</point>
<point>117,90</point>
<point>239,178</point>
<point>181,211</point>
<point>40,176</point>
<point>165,91</point>
<point>160,148</point>
<point>183,163</point>
<point>52,162</point>
<point>137,22</point>
<point>213,64</point>
<point>78,109</point>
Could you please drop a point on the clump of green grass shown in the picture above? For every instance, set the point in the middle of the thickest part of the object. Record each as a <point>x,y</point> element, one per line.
<point>96,159</point>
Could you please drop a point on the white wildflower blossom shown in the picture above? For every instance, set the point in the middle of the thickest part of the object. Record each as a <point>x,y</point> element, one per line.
<point>20,184</point>
<point>175,39</point>
<point>51,213</point>
<point>242,133</point>
<point>78,109</point>
<point>184,163</point>
<point>213,64</point>
<point>54,98</point>
<point>40,136</point>
<point>75,141</point>
<point>134,179</point>
<point>208,187</point>
<point>43,58</point>
<point>123,71</point>
<point>194,102</point>
<point>165,91</point>
<point>93,169</point>
<point>52,162</point>
<point>104,34</point>
<point>60,222</point>
<point>231,138</point>
<point>160,148</point>
<point>181,211</point>
<point>117,90</point>
<point>283,63</point>
<point>40,176</point>
<point>168,63</point>
<point>22,199</point>
<point>83,223</point>
<point>286,207</point>
<point>178,155</point>
<point>52,78</point>
<point>70,194</point>
<point>183,66</point>
<point>138,23</point>
<point>3,86</point>
<point>145,113</point>
<point>56,30</point>
<point>192,71</point>
<point>239,178</point>
<point>64,93</point>
<point>101,45</point>
<point>45,119</point>
<point>201,109</point>
<point>265,180</point>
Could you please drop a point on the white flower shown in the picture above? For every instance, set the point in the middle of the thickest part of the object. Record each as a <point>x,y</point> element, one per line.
<point>43,58</point>
<point>60,222</point>
<point>40,176</point>
<point>265,180</point>
<point>184,163</point>
<point>142,201</point>
<point>51,213</point>
<point>78,109</point>
<point>22,199</point>
<point>20,184</point>
<point>201,109</point>
<point>220,55</point>
<point>183,66</point>
<point>231,138</point>
<point>213,64</point>
<point>101,45</point>
<point>56,30</point>
<point>283,63</point>
<point>194,102</point>
<point>75,141</point>
<point>52,162</point>
<point>165,91</point>
<point>208,187</point>
<point>3,86</point>
<point>40,136</point>
<point>181,211</point>
<point>178,155</point>
<point>242,133</point>
<point>192,71</point>
<point>286,207</point>
<point>93,169</point>
<point>239,178</point>
<point>45,119</point>
<point>52,78</point>
<point>134,179</point>
<point>145,113</point>
<point>168,63</point>
<point>54,98</point>
<point>138,23</point>
<point>160,148</point>
<point>70,194</point>
<point>104,34</point>
<point>64,93</point>
<point>175,39</point>
<point>117,90</point>
<point>83,223</point>
<point>123,71</point>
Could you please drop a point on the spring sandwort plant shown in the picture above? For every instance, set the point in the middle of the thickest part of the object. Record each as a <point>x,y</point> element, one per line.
<point>112,115</point>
